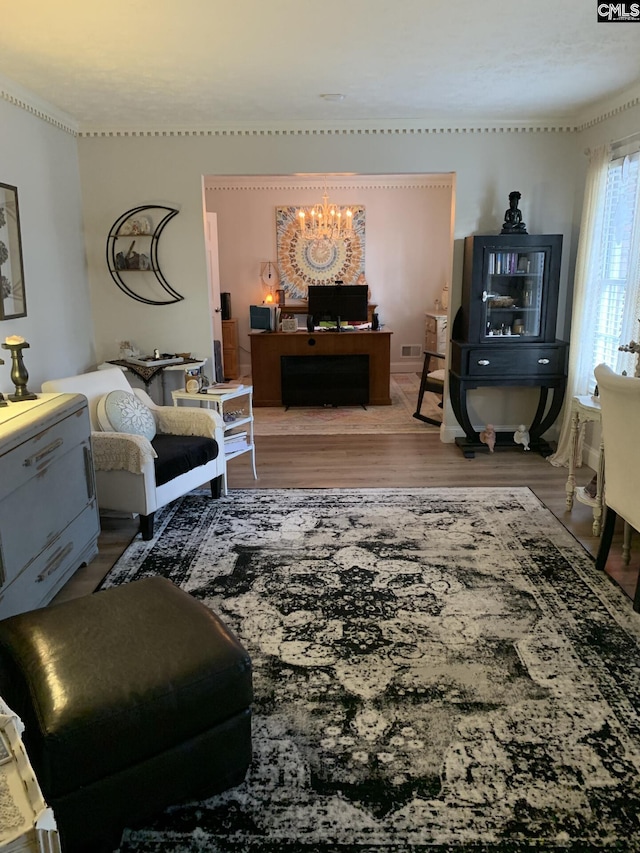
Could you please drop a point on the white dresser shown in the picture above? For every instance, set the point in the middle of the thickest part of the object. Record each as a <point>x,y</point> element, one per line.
<point>49,520</point>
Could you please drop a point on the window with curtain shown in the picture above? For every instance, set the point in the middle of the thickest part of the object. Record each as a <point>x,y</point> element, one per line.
<point>606,295</point>
<point>617,267</point>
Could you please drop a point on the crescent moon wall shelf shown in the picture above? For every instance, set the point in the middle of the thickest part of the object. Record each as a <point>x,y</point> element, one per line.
<point>124,262</point>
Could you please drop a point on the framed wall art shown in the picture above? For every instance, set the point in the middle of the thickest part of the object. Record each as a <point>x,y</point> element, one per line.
<point>13,301</point>
<point>303,262</point>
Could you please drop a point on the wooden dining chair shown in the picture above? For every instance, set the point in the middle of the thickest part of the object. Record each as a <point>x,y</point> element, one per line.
<point>432,380</point>
<point>620,402</point>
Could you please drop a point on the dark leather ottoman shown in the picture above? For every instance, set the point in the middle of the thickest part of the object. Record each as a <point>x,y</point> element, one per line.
<point>133,699</point>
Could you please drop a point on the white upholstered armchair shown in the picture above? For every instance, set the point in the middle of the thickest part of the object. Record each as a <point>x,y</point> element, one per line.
<point>620,413</point>
<point>136,473</point>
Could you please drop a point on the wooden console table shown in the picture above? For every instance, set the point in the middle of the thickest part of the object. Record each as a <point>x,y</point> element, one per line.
<point>267,348</point>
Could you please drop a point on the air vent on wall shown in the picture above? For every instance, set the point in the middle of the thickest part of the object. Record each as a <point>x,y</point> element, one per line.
<point>411,351</point>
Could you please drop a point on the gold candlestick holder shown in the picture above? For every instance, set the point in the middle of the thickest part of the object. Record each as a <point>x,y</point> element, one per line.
<point>19,375</point>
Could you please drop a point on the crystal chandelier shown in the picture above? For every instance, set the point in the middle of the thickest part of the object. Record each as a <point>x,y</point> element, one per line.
<point>325,221</point>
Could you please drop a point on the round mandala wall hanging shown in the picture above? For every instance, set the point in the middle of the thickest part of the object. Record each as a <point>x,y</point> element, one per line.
<point>303,262</point>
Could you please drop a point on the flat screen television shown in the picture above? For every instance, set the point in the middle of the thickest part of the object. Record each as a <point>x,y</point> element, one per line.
<point>338,303</point>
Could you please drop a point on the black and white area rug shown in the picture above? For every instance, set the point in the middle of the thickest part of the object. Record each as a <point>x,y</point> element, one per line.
<point>435,670</point>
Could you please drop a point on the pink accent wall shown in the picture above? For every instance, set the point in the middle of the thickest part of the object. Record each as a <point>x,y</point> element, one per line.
<point>408,242</point>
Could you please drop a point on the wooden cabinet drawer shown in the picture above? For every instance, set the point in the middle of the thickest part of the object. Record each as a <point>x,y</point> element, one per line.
<point>34,457</point>
<point>515,361</point>
<point>41,578</point>
<point>45,503</point>
<point>49,521</point>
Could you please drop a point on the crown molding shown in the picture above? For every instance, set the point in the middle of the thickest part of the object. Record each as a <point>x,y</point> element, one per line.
<point>603,110</point>
<point>409,127</point>
<point>239,183</point>
<point>610,107</point>
<point>20,97</point>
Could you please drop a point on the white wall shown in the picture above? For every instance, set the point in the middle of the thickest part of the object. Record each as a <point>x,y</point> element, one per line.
<point>71,326</point>
<point>41,161</point>
<point>119,173</point>
<point>408,244</point>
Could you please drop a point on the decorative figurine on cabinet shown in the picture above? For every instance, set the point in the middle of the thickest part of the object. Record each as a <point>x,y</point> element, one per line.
<point>521,436</point>
<point>513,223</point>
<point>488,437</point>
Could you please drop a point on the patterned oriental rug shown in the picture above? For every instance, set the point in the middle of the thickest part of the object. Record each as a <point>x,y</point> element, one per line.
<point>319,420</point>
<point>435,670</point>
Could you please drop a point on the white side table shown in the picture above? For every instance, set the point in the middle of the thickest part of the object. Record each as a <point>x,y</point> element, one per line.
<point>585,409</point>
<point>148,383</point>
<point>236,410</point>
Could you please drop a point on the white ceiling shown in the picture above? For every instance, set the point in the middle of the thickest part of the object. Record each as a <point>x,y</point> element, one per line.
<point>196,64</point>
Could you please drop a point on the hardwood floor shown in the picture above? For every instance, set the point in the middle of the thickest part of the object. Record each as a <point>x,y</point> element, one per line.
<point>360,461</point>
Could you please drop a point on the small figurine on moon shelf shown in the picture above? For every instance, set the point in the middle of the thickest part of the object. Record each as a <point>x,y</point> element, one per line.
<point>488,436</point>
<point>521,436</point>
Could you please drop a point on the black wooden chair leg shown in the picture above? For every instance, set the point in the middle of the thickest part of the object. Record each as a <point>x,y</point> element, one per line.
<point>216,487</point>
<point>606,538</point>
<point>146,526</point>
<point>434,386</point>
<point>636,597</point>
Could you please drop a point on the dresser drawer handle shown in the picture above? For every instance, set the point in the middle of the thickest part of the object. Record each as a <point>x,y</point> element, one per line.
<point>483,362</point>
<point>88,472</point>
<point>38,457</point>
<point>55,562</point>
<point>543,361</point>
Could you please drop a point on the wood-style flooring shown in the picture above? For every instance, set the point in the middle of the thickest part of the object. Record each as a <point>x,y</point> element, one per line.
<point>360,461</point>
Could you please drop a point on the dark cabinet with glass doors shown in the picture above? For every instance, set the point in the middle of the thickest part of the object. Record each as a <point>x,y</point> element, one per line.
<point>505,331</point>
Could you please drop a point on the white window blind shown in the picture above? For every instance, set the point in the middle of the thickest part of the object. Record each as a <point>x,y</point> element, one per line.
<point>618,268</point>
